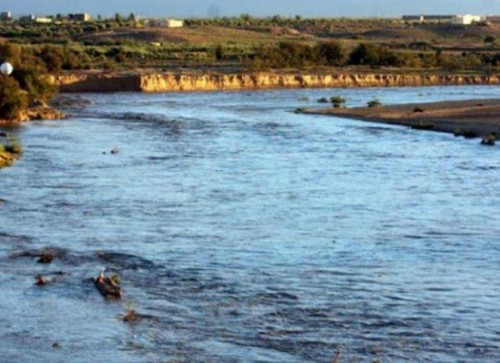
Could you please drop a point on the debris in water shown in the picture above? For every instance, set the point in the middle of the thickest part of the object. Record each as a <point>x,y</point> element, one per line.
<point>131,316</point>
<point>40,280</point>
<point>46,257</point>
<point>108,286</point>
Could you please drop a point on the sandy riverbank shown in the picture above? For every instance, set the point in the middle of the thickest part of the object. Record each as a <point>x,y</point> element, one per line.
<point>6,158</point>
<point>473,117</point>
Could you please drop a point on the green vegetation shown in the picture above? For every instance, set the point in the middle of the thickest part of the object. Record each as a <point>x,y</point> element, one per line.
<point>11,146</point>
<point>13,101</point>
<point>337,101</point>
<point>489,139</point>
<point>15,149</point>
<point>374,103</point>
<point>296,55</point>
<point>9,151</point>
<point>467,133</point>
<point>27,86</point>
<point>125,42</point>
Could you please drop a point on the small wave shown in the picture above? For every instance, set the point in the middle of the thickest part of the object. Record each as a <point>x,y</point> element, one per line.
<point>125,261</point>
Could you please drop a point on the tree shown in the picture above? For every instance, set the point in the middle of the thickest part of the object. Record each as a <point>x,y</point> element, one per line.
<point>118,18</point>
<point>364,54</point>
<point>29,74</point>
<point>10,52</point>
<point>373,55</point>
<point>12,99</point>
<point>331,53</point>
<point>131,18</point>
<point>245,18</point>
<point>490,39</point>
<point>53,57</point>
<point>219,52</point>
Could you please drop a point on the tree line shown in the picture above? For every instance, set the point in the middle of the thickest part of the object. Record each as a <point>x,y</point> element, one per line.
<point>332,53</point>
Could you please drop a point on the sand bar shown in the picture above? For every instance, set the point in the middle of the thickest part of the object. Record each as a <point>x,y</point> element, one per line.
<point>481,117</point>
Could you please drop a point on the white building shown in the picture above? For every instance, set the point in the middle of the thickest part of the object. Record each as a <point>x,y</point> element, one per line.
<point>43,20</point>
<point>174,23</point>
<point>466,19</point>
<point>444,19</point>
<point>165,23</point>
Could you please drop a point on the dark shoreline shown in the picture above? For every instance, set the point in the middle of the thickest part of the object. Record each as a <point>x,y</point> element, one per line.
<point>469,118</point>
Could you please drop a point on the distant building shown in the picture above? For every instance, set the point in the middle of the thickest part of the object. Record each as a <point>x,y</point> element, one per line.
<point>428,18</point>
<point>43,20</point>
<point>413,18</point>
<point>80,17</point>
<point>443,19</point>
<point>5,16</point>
<point>467,19</point>
<point>174,23</point>
<point>165,23</point>
<point>27,18</point>
<point>35,19</point>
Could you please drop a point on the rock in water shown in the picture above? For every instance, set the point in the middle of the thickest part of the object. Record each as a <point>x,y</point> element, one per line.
<point>107,287</point>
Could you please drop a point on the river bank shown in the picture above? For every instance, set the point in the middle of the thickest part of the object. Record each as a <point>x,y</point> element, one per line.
<point>470,118</point>
<point>36,113</point>
<point>202,81</point>
<point>6,158</point>
<point>10,152</point>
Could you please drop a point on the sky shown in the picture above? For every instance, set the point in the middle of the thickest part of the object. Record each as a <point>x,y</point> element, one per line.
<point>287,8</point>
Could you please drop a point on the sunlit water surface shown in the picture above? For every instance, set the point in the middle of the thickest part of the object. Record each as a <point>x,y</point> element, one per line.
<point>246,233</point>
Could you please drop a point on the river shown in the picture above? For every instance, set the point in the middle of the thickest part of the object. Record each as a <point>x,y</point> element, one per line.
<point>243,232</point>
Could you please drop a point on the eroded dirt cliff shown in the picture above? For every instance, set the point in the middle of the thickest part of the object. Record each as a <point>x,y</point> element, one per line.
<point>167,82</point>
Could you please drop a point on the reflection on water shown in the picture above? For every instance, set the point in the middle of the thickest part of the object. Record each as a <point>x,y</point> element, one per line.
<point>243,232</point>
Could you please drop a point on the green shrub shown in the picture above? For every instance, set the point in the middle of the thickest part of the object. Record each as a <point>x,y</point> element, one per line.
<point>323,100</point>
<point>15,149</point>
<point>418,109</point>
<point>489,39</point>
<point>331,53</point>
<point>13,100</point>
<point>470,134</point>
<point>33,80</point>
<point>29,76</point>
<point>337,99</point>
<point>53,57</point>
<point>374,103</point>
<point>489,139</point>
<point>375,55</point>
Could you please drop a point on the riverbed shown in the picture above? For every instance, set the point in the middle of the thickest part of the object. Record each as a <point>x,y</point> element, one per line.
<point>243,232</point>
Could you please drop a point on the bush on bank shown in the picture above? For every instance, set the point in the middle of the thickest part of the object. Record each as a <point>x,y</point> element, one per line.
<point>28,85</point>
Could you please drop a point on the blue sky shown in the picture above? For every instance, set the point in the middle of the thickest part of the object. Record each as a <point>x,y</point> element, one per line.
<point>204,8</point>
